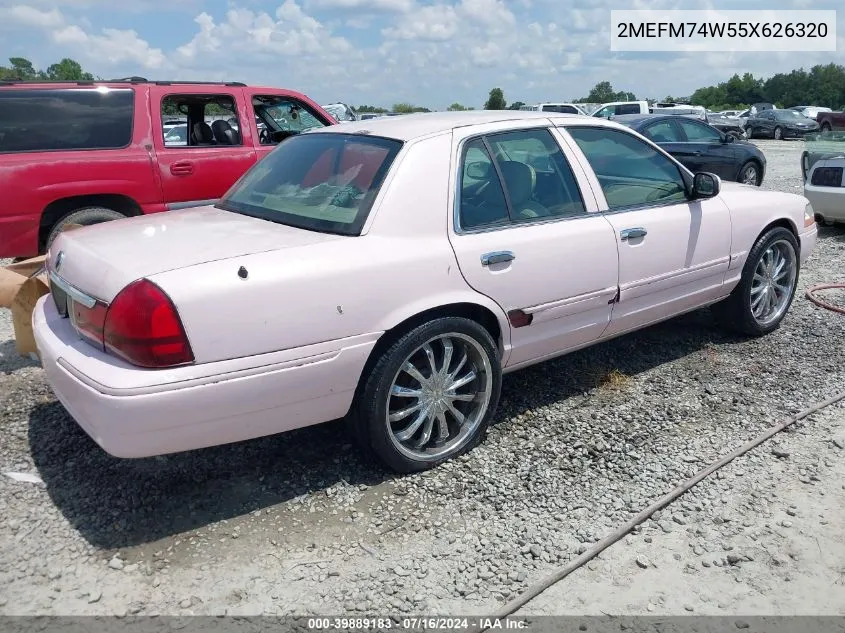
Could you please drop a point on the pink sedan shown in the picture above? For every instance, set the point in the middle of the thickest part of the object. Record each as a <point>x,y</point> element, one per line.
<point>390,271</point>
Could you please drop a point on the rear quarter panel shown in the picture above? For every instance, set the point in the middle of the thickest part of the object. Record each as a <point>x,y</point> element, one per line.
<point>752,212</point>
<point>400,266</point>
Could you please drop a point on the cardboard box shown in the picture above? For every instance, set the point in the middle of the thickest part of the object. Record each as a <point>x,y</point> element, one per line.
<point>21,285</point>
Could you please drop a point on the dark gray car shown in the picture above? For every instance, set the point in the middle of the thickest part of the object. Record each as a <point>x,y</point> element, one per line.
<point>779,124</point>
<point>701,147</point>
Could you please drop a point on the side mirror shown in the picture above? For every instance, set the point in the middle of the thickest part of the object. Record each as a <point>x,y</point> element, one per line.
<point>478,170</point>
<point>705,185</point>
<point>729,138</point>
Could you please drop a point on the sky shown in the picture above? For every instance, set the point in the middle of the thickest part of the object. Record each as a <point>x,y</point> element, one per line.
<point>379,52</point>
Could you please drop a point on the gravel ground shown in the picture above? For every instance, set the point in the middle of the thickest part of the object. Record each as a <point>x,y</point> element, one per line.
<point>297,523</point>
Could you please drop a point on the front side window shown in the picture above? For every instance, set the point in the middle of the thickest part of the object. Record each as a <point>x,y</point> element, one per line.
<point>65,119</point>
<point>527,178</point>
<point>320,182</point>
<point>605,112</point>
<point>698,133</point>
<point>631,172</point>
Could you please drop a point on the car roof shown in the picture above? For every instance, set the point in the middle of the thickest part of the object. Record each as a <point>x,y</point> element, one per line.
<point>412,126</point>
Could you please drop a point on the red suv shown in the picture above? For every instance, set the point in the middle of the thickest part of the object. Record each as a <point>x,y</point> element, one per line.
<point>85,152</point>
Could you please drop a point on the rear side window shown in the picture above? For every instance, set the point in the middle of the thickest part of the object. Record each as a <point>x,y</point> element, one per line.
<point>321,182</point>
<point>65,119</point>
<point>562,109</point>
<point>628,108</point>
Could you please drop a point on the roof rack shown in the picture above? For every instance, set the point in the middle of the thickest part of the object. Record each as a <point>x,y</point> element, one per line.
<point>127,80</point>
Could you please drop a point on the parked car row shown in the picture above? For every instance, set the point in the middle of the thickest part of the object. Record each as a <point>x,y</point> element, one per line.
<point>266,311</point>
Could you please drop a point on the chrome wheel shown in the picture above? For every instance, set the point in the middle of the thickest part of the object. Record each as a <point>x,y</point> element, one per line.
<point>778,134</point>
<point>773,282</point>
<point>439,397</point>
<point>749,175</point>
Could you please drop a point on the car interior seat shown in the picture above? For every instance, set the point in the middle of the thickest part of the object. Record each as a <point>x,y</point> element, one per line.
<point>201,134</point>
<point>224,133</point>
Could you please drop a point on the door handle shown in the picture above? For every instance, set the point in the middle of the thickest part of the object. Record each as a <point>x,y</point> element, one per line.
<point>626,234</point>
<point>698,153</point>
<point>182,168</point>
<point>497,257</point>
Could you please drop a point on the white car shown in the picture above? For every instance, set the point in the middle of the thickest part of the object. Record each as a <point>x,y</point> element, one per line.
<point>825,189</point>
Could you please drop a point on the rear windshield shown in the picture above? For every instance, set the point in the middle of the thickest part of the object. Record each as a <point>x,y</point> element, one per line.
<point>65,119</point>
<point>317,181</point>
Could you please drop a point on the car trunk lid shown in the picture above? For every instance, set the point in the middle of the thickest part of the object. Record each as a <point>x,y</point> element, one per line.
<point>102,259</point>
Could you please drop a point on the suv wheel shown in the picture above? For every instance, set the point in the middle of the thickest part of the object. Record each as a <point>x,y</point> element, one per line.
<point>84,216</point>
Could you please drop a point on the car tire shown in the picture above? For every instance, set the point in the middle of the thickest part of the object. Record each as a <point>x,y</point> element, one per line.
<point>777,134</point>
<point>738,311</point>
<point>84,216</point>
<point>826,127</point>
<point>402,435</point>
<point>749,168</point>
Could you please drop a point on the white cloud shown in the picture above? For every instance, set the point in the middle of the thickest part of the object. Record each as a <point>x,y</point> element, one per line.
<point>398,6</point>
<point>22,15</point>
<point>115,46</point>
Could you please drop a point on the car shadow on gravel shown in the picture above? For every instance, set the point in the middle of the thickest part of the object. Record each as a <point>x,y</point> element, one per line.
<point>116,503</point>
<point>835,232</point>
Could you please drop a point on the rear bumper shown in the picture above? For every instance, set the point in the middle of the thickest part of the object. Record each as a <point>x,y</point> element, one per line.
<point>828,202</point>
<point>180,414</point>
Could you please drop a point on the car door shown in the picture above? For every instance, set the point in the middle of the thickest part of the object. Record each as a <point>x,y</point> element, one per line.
<point>202,169</point>
<point>673,252</point>
<point>710,150</point>
<point>526,234</point>
<point>766,123</point>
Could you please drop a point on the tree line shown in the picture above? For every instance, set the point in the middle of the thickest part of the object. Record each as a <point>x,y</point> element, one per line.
<point>21,69</point>
<point>822,85</point>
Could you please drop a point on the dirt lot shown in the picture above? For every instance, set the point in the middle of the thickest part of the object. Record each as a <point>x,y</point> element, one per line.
<point>297,523</point>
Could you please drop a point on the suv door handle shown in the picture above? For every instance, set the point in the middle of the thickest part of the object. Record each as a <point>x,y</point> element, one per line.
<point>182,168</point>
<point>497,257</point>
<point>626,234</point>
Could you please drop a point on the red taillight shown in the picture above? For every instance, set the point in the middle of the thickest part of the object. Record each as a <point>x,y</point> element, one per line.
<point>143,327</point>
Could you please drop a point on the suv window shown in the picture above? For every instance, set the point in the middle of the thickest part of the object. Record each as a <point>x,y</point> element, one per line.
<point>538,182</point>
<point>663,132</point>
<point>563,109</point>
<point>211,120</point>
<point>320,182</point>
<point>65,119</point>
<point>628,108</point>
<point>631,172</point>
<point>605,112</point>
<point>699,133</point>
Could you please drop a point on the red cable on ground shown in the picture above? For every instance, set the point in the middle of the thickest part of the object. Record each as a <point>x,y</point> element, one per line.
<point>810,294</point>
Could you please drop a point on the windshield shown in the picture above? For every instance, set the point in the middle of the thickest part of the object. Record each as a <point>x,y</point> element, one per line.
<point>321,182</point>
